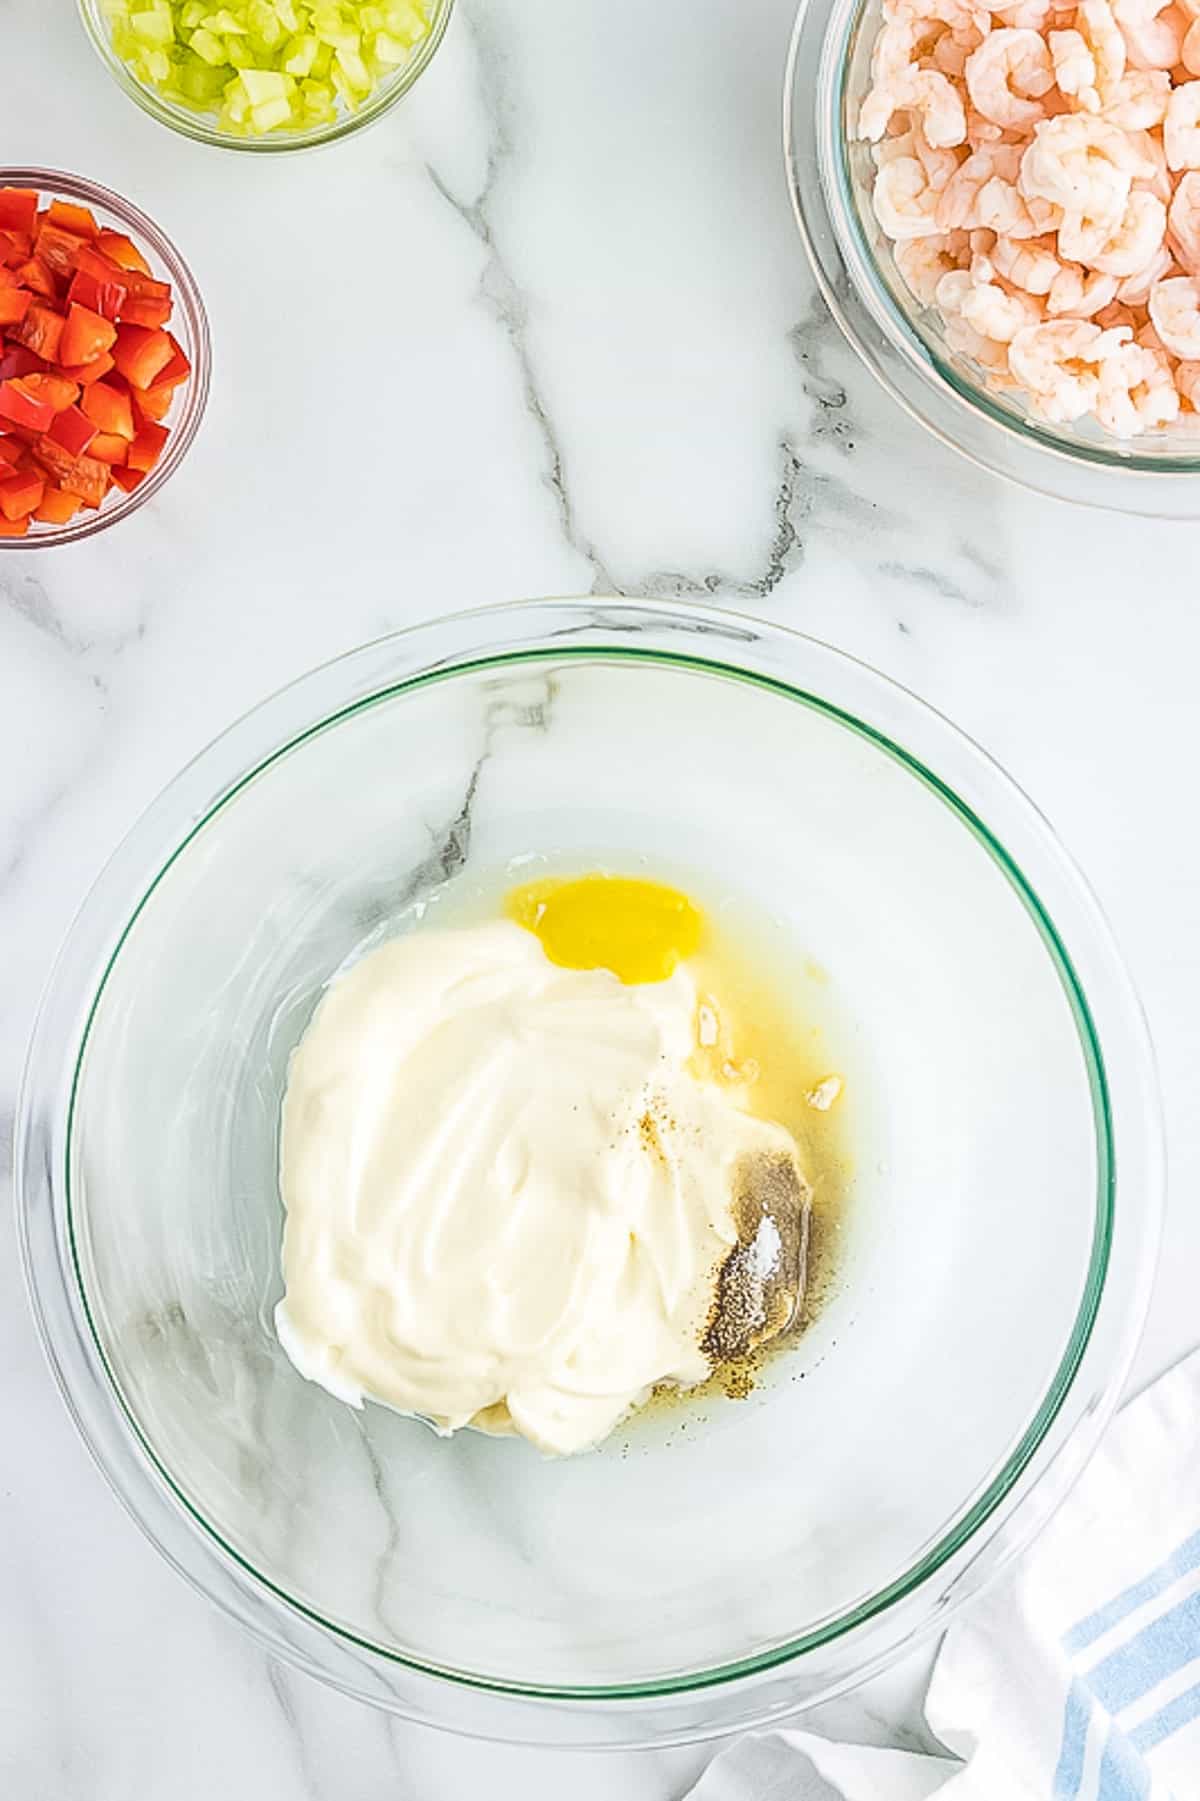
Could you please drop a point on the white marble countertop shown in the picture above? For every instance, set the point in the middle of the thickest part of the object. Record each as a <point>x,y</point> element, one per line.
<point>547,329</point>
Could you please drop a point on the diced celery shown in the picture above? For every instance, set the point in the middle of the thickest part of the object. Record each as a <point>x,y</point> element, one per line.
<point>266,65</point>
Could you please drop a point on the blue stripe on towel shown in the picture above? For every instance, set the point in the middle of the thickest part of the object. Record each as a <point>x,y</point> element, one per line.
<point>1076,1719</point>
<point>1123,1776</point>
<point>1166,1645</point>
<point>1176,1714</point>
<point>1178,1564</point>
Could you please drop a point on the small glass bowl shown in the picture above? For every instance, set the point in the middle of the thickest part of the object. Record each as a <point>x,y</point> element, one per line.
<point>202,126</point>
<point>904,343</point>
<point>189,323</point>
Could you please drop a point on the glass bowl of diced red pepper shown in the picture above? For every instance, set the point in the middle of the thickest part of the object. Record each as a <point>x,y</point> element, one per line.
<point>104,358</point>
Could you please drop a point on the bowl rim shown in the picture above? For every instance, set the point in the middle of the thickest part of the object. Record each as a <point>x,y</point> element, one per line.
<point>198,342</point>
<point>198,126</point>
<point>960,414</point>
<point>1125,1114</point>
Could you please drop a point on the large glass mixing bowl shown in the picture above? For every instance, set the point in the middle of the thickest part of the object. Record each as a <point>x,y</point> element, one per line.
<point>713,1567</point>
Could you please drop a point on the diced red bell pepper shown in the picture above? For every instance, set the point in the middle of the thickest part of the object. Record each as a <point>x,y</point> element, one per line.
<point>77,219</point>
<point>11,451</point>
<point>58,391</point>
<point>147,447</point>
<point>129,479</point>
<point>142,355</point>
<point>86,373</point>
<point>41,330</point>
<point>109,447</point>
<point>155,403</point>
<point>14,304</point>
<point>87,336</point>
<point>15,247</point>
<point>58,248</point>
<point>104,295</point>
<point>57,508</point>
<point>20,408</point>
<point>73,430</point>
<point>18,209</point>
<point>92,261</point>
<point>147,310</point>
<point>21,494</point>
<point>17,361</point>
<point>84,476</point>
<point>7,277</point>
<point>122,251</point>
<point>109,410</point>
<point>35,275</point>
<point>13,528</point>
<point>177,370</point>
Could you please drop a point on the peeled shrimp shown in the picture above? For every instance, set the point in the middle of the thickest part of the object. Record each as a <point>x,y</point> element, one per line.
<point>1183,221</point>
<point>950,297</point>
<point>1077,293</point>
<point>1025,15</point>
<point>1099,30</point>
<point>923,261</point>
<point>1118,250</point>
<point>1031,266</point>
<point>1059,364</point>
<point>1007,76</point>
<point>959,200</point>
<point>1181,132</point>
<point>1153,31</point>
<point>997,314</point>
<point>1175,314</point>
<point>1139,101</point>
<point>1189,51</point>
<point>1082,164</point>
<point>1137,391</point>
<point>1074,68</point>
<point>1135,289</point>
<point>1187,381</point>
<point>905,204</point>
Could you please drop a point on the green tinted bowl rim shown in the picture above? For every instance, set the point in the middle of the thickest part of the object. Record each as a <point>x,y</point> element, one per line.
<point>998,1486</point>
<point>200,125</point>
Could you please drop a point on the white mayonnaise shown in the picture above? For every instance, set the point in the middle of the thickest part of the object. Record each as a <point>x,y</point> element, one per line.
<point>507,1194</point>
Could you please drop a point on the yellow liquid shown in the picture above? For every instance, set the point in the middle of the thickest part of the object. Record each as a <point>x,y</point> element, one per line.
<point>752,1035</point>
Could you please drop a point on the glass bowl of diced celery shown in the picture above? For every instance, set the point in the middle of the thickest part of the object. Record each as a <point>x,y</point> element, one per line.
<point>266,75</point>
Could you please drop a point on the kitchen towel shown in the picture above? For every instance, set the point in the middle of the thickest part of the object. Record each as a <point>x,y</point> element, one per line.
<point>1077,1678</point>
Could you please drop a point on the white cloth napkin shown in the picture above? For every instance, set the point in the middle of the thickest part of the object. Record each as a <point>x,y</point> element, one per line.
<point>1078,1679</point>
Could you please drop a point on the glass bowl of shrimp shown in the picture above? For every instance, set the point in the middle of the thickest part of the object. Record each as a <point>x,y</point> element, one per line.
<point>1002,209</point>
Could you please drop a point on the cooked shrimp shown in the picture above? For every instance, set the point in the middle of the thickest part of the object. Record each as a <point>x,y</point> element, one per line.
<point>905,204</point>
<point>1059,364</point>
<point>1135,289</point>
<point>959,200</point>
<point>1112,317</point>
<point>1137,391</point>
<point>995,313</point>
<point>1118,250</point>
<point>1154,175</point>
<point>1007,76</point>
<point>1031,266</point>
<point>1153,31</point>
<point>1187,382</point>
<point>1139,101</point>
<point>1099,30</point>
<point>951,295</point>
<point>939,164</point>
<point>1082,164</point>
<point>1025,15</point>
<point>1074,68</point>
<point>923,261</point>
<point>1183,221</point>
<point>1181,136</point>
<point>1175,313</point>
<point>1077,293</point>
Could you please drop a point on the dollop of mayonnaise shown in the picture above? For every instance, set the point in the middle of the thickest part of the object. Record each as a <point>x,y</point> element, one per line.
<point>508,1194</point>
